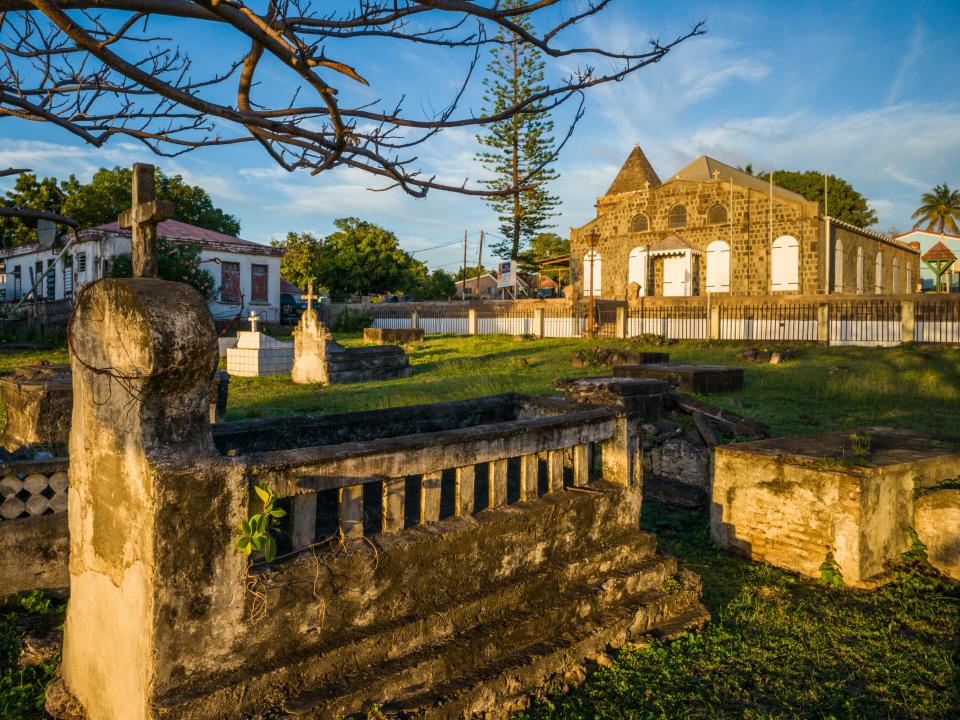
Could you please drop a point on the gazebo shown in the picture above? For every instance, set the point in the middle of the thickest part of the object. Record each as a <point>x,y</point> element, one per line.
<point>939,259</point>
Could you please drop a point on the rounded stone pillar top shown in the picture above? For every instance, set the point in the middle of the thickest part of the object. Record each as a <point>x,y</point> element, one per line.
<point>143,352</point>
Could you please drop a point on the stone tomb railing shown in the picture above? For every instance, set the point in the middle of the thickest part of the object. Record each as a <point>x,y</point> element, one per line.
<point>32,488</point>
<point>383,471</point>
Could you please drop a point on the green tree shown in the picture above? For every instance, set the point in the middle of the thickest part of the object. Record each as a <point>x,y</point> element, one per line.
<point>469,272</point>
<point>301,260</point>
<point>31,193</point>
<point>108,193</point>
<point>521,147</point>
<point>176,261</point>
<point>940,211</point>
<point>438,285</point>
<point>364,258</point>
<point>543,246</point>
<point>843,201</point>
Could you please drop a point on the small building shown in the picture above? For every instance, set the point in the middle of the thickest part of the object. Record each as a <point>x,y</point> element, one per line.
<point>711,228</point>
<point>925,240</point>
<point>246,274</point>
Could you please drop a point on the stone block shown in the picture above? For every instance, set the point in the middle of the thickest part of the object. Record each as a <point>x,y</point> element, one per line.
<point>937,524</point>
<point>794,502</point>
<point>642,398</point>
<point>704,379</point>
<point>38,401</point>
<point>392,336</point>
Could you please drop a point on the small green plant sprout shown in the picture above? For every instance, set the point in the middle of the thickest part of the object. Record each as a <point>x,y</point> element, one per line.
<point>860,444</point>
<point>257,529</point>
<point>830,574</point>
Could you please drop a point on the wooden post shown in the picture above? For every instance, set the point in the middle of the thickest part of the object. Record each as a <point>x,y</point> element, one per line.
<point>351,512</point>
<point>581,464</point>
<point>823,324</point>
<point>304,517</point>
<point>464,490</point>
<point>497,484</point>
<point>394,494</point>
<point>714,321</point>
<point>908,321</point>
<point>414,320</point>
<point>555,470</point>
<point>472,321</point>
<point>529,472</point>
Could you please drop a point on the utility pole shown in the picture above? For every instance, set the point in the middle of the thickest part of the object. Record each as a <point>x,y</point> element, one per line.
<point>479,264</point>
<point>463,288</point>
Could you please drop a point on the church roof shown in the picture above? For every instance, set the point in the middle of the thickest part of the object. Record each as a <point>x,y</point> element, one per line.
<point>635,173</point>
<point>939,252</point>
<point>704,167</point>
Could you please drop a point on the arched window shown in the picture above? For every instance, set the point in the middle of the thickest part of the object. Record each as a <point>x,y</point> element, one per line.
<point>718,266</point>
<point>895,270</point>
<point>637,269</point>
<point>639,223</point>
<point>879,274</point>
<point>591,280</point>
<point>838,266</point>
<point>859,271</point>
<point>785,264</point>
<point>717,215</point>
<point>678,216</point>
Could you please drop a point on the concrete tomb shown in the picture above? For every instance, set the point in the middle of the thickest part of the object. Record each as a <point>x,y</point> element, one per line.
<point>392,336</point>
<point>38,401</point>
<point>258,355</point>
<point>440,561</point>
<point>937,522</point>
<point>702,379</point>
<point>842,497</point>
<point>321,359</point>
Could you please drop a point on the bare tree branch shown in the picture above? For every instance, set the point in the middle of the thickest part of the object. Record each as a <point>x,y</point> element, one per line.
<point>93,68</point>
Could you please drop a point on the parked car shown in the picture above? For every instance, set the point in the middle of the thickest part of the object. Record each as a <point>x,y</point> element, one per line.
<point>291,307</point>
<point>548,292</point>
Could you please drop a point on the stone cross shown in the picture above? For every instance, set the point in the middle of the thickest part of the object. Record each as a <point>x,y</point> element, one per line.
<point>254,319</point>
<point>716,174</point>
<point>309,297</point>
<point>142,218</point>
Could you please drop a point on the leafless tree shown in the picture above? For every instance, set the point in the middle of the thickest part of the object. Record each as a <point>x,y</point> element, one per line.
<point>97,69</point>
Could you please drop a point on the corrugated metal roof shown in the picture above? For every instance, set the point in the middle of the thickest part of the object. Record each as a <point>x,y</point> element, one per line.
<point>208,239</point>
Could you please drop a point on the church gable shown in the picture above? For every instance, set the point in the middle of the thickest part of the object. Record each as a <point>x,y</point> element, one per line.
<point>635,174</point>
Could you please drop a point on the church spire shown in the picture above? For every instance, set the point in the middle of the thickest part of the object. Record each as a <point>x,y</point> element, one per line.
<point>636,171</point>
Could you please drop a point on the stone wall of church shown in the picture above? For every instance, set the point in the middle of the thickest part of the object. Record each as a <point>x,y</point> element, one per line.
<point>749,238</point>
<point>900,267</point>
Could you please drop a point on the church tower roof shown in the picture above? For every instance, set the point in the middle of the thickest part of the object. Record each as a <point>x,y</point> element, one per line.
<point>635,173</point>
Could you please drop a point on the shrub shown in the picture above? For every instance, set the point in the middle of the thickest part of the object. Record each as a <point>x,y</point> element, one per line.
<point>349,321</point>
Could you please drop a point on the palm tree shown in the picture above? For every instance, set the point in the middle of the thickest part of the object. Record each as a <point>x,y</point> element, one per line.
<point>940,210</point>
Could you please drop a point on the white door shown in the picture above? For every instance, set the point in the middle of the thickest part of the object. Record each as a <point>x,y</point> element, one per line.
<point>785,264</point>
<point>718,267</point>
<point>674,276</point>
<point>637,269</point>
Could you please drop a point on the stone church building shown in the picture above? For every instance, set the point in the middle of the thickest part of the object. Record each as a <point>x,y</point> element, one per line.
<point>711,228</point>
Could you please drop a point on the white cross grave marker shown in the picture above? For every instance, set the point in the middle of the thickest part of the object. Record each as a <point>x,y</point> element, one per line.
<point>254,319</point>
<point>309,297</point>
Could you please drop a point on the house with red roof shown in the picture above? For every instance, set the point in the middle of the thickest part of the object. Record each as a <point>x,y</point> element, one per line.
<point>246,273</point>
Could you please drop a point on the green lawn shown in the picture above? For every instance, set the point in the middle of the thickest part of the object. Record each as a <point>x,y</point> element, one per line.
<point>778,646</point>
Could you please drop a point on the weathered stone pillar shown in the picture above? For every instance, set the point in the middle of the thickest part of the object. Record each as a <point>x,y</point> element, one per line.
<point>621,321</point>
<point>823,324</point>
<point>908,321</point>
<point>472,321</point>
<point>539,322</point>
<point>156,587</point>
<point>38,400</point>
<point>714,322</point>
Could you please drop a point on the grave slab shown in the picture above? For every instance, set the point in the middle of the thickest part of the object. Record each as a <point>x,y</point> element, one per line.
<point>846,495</point>
<point>392,336</point>
<point>704,379</point>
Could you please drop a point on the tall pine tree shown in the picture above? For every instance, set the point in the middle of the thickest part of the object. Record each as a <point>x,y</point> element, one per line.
<point>518,145</point>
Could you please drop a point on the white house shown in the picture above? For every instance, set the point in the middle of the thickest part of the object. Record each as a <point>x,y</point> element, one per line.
<point>247,274</point>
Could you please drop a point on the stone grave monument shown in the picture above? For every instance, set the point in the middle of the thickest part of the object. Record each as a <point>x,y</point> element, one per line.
<point>321,359</point>
<point>38,401</point>
<point>256,354</point>
<point>845,497</point>
<point>703,379</point>
<point>392,336</point>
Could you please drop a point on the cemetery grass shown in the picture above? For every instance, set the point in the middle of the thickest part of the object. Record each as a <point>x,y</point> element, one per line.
<point>778,645</point>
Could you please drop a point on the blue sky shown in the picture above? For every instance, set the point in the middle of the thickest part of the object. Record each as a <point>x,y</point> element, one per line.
<point>867,90</point>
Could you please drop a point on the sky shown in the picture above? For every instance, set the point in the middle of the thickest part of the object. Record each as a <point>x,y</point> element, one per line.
<point>866,90</point>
